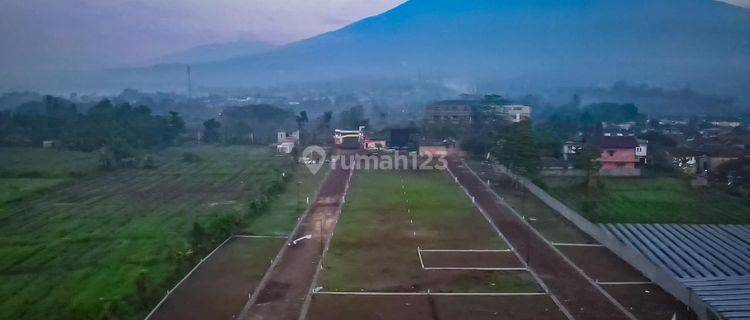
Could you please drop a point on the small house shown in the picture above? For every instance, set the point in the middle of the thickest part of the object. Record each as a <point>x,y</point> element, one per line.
<point>618,157</point>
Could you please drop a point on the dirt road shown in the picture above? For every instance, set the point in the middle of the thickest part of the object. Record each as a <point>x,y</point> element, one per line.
<point>282,294</point>
<point>581,298</point>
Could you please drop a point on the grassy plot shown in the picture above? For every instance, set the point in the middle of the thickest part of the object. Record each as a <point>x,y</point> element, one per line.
<point>109,245</point>
<point>282,213</point>
<point>35,162</point>
<point>25,172</point>
<point>388,214</point>
<point>649,200</point>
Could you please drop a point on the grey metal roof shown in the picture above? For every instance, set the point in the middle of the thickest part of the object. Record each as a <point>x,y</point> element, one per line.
<point>730,297</point>
<point>713,260</point>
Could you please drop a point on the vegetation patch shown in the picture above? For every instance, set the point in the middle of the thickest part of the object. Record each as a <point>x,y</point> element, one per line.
<point>649,200</point>
<point>109,245</point>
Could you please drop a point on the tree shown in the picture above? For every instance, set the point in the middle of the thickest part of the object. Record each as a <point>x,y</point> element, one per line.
<point>588,160</point>
<point>211,131</point>
<point>176,125</point>
<point>517,149</point>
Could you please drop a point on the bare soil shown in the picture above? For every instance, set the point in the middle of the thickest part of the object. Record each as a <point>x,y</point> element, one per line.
<point>464,259</point>
<point>433,307</point>
<point>218,288</point>
<point>283,296</point>
<point>649,302</point>
<point>601,264</point>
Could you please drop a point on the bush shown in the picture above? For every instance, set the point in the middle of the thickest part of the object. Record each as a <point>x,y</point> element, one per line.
<point>148,162</point>
<point>190,157</point>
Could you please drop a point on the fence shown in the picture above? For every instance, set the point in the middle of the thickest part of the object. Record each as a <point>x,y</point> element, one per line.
<point>656,274</point>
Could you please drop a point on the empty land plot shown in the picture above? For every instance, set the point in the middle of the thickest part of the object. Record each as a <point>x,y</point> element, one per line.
<point>77,251</point>
<point>219,287</point>
<point>543,218</point>
<point>424,307</point>
<point>625,284</point>
<point>648,301</point>
<point>388,215</point>
<point>469,259</point>
<point>601,264</point>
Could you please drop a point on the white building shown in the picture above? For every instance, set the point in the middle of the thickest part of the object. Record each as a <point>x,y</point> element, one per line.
<point>286,141</point>
<point>641,151</point>
<point>515,112</point>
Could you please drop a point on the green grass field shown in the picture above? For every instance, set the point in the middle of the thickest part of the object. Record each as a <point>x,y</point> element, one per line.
<point>26,172</point>
<point>282,213</point>
<point>388,214</point>
<point>76,251</point>
<point>649,200</point>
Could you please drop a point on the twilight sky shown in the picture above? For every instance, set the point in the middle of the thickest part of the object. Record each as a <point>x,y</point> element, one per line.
<point>39,35</point>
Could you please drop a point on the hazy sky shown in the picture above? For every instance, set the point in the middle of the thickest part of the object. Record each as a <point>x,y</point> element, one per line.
<point>40,34</point>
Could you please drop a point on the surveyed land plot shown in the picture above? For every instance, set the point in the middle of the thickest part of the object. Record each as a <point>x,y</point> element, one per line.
<point>394,220</point>
<point>620,281</point>
<point>411,245</point>
<point>219,286</point>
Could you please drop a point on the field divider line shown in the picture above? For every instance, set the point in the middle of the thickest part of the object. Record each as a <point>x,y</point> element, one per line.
<point>465,250</point>
<point>365,293</point>
<point>563,244</point>
<point>264,280</point>
<point>614,301</point>
<point>610,283</point>
<point>477,268</point>
<point>421,262</point>
<point>253,236</point>
<point>319,268</point>
<point>536,277</point>
<point>169,292</point>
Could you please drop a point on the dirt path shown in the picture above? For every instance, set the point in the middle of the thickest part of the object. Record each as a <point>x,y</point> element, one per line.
<point>581,298</point>
<point>282,294</point>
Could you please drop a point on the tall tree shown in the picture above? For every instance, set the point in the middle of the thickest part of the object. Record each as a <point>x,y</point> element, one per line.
<point>211,131</point>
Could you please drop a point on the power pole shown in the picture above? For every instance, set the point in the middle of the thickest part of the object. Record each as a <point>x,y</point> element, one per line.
<point>189,84</point>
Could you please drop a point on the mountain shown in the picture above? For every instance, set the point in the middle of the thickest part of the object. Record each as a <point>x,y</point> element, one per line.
<point>215,52</point>
<point>524,44</point>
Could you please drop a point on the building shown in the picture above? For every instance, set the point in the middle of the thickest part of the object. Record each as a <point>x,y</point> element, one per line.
<point>285,147</point>
<point>285,136</point>
<point>286,141</point>
<point>618,157</point>
<point>514,112</point>
<point>433,151</point>
<point>349,139</point>
<point>571,147</point>
<point>449,112</point>
<point>403,138</point>
<point>375,144</point>
<point>641,152</point>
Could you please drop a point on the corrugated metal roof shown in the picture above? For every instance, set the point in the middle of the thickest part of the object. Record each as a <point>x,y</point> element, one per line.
<point>713,260</point>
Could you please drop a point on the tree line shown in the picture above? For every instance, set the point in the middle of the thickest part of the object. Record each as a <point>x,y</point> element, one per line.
<point>116,130</point>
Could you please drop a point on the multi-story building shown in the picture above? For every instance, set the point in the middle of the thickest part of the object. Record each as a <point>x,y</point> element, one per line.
<point>452,112</point>
<point>514,112</point>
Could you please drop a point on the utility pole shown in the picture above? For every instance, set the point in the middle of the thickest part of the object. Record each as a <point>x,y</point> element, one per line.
<point>189,85</point>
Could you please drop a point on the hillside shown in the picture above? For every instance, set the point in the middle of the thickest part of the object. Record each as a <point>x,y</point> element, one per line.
<point>517,43</point>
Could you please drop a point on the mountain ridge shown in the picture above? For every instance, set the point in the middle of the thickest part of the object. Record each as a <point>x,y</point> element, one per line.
<point>569,42</point>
